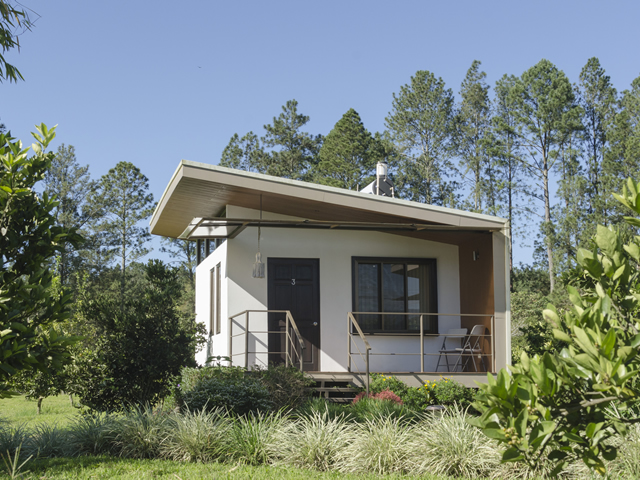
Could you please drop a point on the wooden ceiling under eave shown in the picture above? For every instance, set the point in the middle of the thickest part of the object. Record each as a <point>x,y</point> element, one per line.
<point>198,190</point>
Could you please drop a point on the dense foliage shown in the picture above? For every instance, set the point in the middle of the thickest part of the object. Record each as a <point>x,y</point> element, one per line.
<point>241,392</point>
<point>133,350</point>
<point>445,391</point>
<point>31,307</point>
<point>570,404</point>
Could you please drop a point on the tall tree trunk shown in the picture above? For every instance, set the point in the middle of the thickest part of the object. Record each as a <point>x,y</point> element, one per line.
<point>547,219</point>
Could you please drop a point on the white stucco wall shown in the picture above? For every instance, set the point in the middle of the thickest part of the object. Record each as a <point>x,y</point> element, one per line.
<point>335,250</point>
<point>204,303</point>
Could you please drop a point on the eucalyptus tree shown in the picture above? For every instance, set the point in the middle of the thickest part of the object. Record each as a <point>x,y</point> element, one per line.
<point>123,200</point>
<point>348,155</point>
<point>13,22</point>
<point>546,111</point>
<point>473,139</point>
<point>293,153</point>
<point>420,124</point>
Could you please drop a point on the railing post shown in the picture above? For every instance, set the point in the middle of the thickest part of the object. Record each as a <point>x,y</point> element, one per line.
<point>493,344</point>
<point>230,342</point>
<point>246,341</point>
<point>367,372</point>
<point>348,342</point>
<point>286,340</point>
<point>421,344</point>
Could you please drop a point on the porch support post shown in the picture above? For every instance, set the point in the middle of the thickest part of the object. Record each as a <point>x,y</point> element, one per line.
<point>230,343</point>
<point>246,340</point>
<point>349,343</point>
<point>421,343</point>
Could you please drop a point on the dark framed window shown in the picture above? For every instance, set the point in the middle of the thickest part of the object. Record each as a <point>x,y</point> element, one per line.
<point>390,285</point>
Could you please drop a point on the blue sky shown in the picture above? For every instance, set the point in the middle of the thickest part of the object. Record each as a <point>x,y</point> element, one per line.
<point>155,82</point>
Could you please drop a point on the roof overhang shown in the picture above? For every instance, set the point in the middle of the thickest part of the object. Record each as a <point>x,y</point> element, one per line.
<point>198,194</point>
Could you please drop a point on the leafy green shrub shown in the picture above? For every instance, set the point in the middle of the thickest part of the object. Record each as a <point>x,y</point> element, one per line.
<point>288,386</point>
<point>418,398</point>
<point>190,377</point>
<point>238,395</point>
<point>449,392</point>
<point>137,345</point>
<point>380,382</point>
<point>387,395</point>
<point>321,406</point>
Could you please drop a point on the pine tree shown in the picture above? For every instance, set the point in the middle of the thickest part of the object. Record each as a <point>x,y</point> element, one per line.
<point>244,154</point>
<point>598,99</point>
<point>473,139</point>
<point>507,154</point>
<point>420,124</point>
<point>348,155</point>
<point>547,114</point>
<point>294,153</point>
<point>72,186</point>
<point>124,200</point>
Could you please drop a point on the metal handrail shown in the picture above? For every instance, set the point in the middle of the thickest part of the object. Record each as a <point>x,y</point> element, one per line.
<point>351,319</point>
<point>354,322</point>
<point>289,321</point>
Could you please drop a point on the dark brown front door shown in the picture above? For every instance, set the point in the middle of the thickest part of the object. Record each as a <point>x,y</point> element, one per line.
<point>294,284</point>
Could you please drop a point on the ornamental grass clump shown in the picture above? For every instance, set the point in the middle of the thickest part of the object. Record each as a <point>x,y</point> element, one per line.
<point>138,433</point>
<point>47,441</point>
<point>378,445</point>
<point>12,438</point>
<point>448,445</point>
<point>255,438</point>
<point>197,436</point>
<point>90,434</point>
<point>315,441</point>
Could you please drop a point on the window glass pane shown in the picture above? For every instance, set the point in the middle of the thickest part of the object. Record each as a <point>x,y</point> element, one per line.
<point>418,296</point>
<point>368,297</point>
<point>393,295</point>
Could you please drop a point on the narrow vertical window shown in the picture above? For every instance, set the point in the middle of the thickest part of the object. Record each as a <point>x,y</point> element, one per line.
<point>218,300</point>
<point>213,300</point>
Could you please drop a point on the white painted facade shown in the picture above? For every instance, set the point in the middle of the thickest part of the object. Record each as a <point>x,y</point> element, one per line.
<point>334,249</point>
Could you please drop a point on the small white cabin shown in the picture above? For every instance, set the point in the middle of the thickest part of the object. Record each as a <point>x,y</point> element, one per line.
<point>353,282</point>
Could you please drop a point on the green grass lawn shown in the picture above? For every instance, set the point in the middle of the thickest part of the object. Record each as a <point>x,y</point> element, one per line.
<point>57,410</point>
<point>19,410</point>
<point>109,467</point>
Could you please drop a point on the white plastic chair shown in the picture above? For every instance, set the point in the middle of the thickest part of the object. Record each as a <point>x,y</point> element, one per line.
<point>454,334</point>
